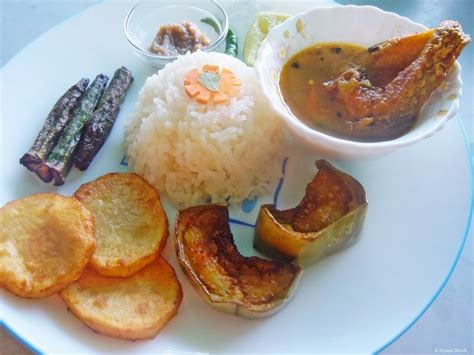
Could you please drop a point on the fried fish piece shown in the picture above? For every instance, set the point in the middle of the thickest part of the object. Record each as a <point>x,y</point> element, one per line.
<point>131,225</point>
<point>137,307</point>
<point>244,286</point>
<point>396,53</point>
<point>389,111</point>
<point>46,240</point>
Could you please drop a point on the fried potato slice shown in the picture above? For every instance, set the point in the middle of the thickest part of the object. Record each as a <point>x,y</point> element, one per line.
<point>46,240</point>
<point>131,308</point>
<point>131,225</point>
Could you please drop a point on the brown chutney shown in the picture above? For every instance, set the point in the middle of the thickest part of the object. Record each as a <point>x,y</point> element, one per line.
<point>301,85</point>
<point>179,38</point>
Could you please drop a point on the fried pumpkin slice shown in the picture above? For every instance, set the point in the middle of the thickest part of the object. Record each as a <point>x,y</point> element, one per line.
<point>137,307</point>
<point>131,225</point>
<point>245,286</point>
<point>46,240</point>
<point>327,220</point>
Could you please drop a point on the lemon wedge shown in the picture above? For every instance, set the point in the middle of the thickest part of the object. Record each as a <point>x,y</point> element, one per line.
<point>263,23</point>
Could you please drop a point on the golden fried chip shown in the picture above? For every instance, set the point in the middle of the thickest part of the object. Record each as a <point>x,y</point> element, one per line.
<point>132,308</point>
<point>46,240</point>
<point>131,225</point>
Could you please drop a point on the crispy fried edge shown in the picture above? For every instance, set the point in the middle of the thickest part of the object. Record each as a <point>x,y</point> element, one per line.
<point>128,269</point>
<point>128,333</point>
<point>18,291</point>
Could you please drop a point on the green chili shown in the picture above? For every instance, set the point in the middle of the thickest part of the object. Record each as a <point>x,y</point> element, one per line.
<point>231,43</point>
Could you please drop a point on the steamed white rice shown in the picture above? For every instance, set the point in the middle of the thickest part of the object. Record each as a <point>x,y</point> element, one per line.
<point>204,153</point>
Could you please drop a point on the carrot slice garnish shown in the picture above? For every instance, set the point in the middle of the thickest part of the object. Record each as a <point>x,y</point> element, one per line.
<point>220,98</point>
<point>191,77</point>
<point>226,73</point>
<point>191,90</point>
<point>211,85</point>
<point>210,68</point>
<point>203,97</point>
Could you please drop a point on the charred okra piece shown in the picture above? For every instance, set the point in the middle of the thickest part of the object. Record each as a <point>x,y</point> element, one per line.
<point>53,126</point>
<point>60,159</point>
<point>98,128</point>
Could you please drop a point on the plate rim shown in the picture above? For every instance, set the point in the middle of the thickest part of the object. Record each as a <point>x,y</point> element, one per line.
<point>38,349</point>
<point>460,250</point>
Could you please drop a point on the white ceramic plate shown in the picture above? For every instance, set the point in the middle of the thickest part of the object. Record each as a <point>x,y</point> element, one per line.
<point>356,301</point>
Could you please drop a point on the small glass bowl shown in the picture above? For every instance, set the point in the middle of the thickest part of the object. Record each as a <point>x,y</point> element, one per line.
<point>144,20</point>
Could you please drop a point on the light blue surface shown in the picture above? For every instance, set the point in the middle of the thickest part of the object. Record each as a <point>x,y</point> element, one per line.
<point>448,276</point>
<point>448,323</point>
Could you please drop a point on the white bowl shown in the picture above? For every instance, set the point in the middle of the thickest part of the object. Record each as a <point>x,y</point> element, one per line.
<point>362,25</point>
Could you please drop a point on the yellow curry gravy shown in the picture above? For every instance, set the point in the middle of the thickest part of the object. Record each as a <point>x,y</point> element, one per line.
<point>302,78</point>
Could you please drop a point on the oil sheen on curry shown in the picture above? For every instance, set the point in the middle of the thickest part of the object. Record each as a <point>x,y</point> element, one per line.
<point>302,85</point>
<point>369,94</point>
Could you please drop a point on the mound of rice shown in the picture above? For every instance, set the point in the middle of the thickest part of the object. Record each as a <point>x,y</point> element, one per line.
<point>204,153</point>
